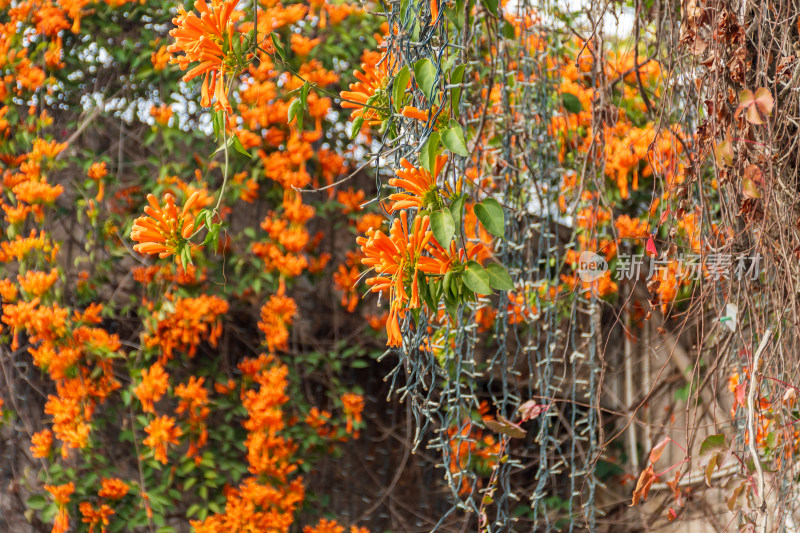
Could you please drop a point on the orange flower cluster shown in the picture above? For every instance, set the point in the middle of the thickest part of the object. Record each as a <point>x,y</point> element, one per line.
<point>469,443</point>
<point>191,321</point>
<point>67,347</point>
<point>353,406</point>
<point>206,39</point>
<point>369,97</point>
<point>154,384</point>
<point>396,259</point>
<point>42,443</point>
<point>61,496</point>
<point>194,404</point>
<point>288,237</point>
<point>276,315</point>
<point>331,526</point>
<point>113,488</point>
<point>420,186</point>
<point>162,432</point>
<point>164,231</point>
<point>258,505</point>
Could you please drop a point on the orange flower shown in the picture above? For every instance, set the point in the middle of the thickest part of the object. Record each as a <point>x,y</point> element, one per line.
<point>324,526</point>
<point>345,280</point>
<point>201,39</point>
<point>160,58</point>
<point>410,111</point>
<point>276,315</point>
<point>61,494</point>
<point>154,384</point>
<point>165,231</point>
<point>422,192</point>
<point>302,45</point>
<point>98,171</point>
<point>194,402</point>
<point>369,97</point>
<point>94,517</point>
<point>42,444</point>
<point>191,321</point>
<point>113,488</point>
<point>369,221</point>
<point>353,406</point>
<point>162,432</point>
<point>395,258</point>
<point>351,200</point>
<point>36,283</point>
<point>631,228</point>
<point>161,114</point>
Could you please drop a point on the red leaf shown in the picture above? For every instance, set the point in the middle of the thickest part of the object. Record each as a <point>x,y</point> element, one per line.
<point>530,410</point>
<point>651,246</point>
<point>658,449</point>
<point>671,514</point>
<point>739,393</point>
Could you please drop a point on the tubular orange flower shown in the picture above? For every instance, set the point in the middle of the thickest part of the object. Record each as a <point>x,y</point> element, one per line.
<point>369,94</point>
<point>395,258</point>
<point>95,517</point>
<point>42,443</point>
<point>61,494</point>
<point>162,432</point>
<point>154,384</point>
<point>165,231</point>
<point>410,111</point>
<point>444,260</point>
<point>353,406</point>
<point>201,39</point>
<point>420,185</point>
<point>113,488</point>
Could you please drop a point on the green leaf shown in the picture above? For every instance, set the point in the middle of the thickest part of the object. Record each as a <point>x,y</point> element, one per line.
<point>453,139</point>
<point>455,79</point>
<point>455,13</point>
<point>712,443</point>
<point>476,278</point>
<point>218,120</point>
<point>237,144</point>
<point>279,49</point>
<point>457,209</point>
<point>571,103</point>
<point>499,278</point>
<point>435,290</point>
<point>304,94</point>
<point>356,127</point>
<point>508,31</point>
<point>443,227</point>
<point>200,220</point>
<point>399,87</point>
<point>237,49</point>
<point>446,282</point>
<point>425,75</point>
<point>491,215</point>
<point>294,107</point>
<point>427,154</point>
<point>451,306</point>
<point>490,5</point>
<point>425,291</point>
<point>36,502</point>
